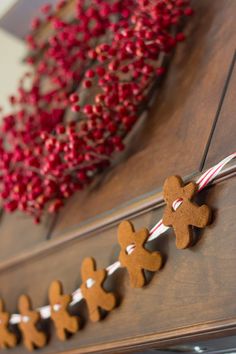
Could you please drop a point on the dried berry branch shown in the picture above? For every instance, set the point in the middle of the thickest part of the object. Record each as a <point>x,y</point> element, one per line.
<point>102,64</point>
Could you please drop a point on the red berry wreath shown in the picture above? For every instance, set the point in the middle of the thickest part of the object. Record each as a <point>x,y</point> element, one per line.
<point>102,64</point>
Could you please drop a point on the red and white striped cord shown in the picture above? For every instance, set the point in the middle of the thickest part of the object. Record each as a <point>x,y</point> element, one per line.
<point>155,232</point>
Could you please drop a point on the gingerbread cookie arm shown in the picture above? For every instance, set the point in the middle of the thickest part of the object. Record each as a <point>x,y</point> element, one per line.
<point>107,301</point>
<point>189,190</point>
<point>35,317</point>
<point>167,216</point>
<point>66,299</point>
<point>141,237</point>
<point>101,275</point>
<point>151,261</point>
<point>199,216</point>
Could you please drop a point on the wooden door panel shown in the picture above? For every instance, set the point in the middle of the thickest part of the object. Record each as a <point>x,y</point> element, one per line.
<point>19,233</point>
<point>223,141</point>
<point>175,135</point>
<point>194,292</point>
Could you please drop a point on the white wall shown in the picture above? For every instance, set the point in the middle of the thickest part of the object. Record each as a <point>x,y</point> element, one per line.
<point>12,51</point>
<point>5,5</point>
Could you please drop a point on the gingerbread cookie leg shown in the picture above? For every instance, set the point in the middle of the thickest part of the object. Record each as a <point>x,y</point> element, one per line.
<point>40,340</point>
<point>94,313</point>
<point>11,343</point>
<point>72,325</point>
<point>183,236</point>
<point>28,344</point>
<point>137,278</point>
<point>61,334</point>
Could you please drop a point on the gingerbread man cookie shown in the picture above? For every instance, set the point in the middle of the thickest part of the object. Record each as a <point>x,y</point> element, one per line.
<point>7,339</point>
<point>31,335</point>
<point>139,259</point>
<point>187,214</point>
<point>63,321</point>
<point>92,289</point>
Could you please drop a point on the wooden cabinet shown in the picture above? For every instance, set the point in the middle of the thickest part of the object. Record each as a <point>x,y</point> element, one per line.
<point>190,127</point>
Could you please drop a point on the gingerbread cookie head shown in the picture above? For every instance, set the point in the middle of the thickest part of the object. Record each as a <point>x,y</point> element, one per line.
<point>33,338</point>
<point>24,304</point>
<point>95,295</point>
<point>134,256</point>
<point>63,321</point>
<point>7,338</point>
<point>181,212</point>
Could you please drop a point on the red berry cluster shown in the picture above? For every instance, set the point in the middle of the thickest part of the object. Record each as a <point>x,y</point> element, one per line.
<point>102,64</point>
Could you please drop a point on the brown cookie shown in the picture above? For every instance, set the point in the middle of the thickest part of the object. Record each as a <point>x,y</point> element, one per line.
<point>63,321</point>
<point>31,335</point>
<point>7,339</point>
<point>140,259</point>
<point>93,292</point>
<point>187,214</point>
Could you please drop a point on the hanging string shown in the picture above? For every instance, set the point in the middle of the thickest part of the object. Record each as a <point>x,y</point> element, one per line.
<point>204,180</point>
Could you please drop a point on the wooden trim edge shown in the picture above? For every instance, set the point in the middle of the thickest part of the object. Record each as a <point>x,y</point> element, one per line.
<point>161,340</point>
<point>103,221</point>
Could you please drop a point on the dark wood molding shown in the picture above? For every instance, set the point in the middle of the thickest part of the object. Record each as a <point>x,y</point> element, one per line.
<point>104,221</point>
<point>192,298</point>
<point>196,333</point>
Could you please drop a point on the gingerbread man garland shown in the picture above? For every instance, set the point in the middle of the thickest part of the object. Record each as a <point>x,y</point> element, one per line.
<point>31,335</point>
<point>92,289</point>
<point>7,339</point>
<point>181,213</point>
<point>139,259</point>
<point>63,321</point>
<point>187,214</point>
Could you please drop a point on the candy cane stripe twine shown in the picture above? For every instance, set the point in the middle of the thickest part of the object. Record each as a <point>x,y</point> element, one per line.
<point>155,232</point>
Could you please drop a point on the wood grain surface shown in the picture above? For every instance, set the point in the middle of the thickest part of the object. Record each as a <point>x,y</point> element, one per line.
<point>223,142</point>
<point>173,138</point>
<point>190,126</point>
<point>19,233</point>
<point>196,287</point>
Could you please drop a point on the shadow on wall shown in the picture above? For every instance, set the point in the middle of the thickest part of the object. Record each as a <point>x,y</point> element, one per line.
<point>11,67</point>
<point>17,19</point>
